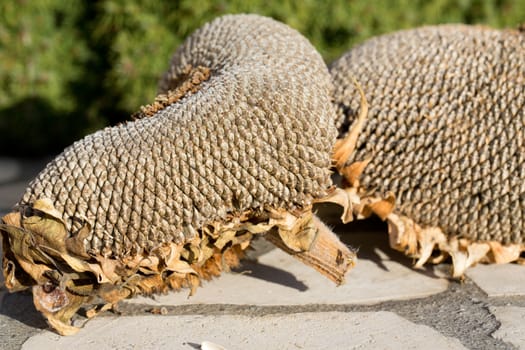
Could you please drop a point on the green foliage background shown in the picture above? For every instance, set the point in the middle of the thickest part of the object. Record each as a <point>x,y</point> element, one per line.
<point>70,67</point>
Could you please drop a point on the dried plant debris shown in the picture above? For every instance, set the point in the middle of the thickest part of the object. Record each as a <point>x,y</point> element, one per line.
<point>441,155</point>
<point>239,144</point>
<point>188,83</point>
<point>208,345</point>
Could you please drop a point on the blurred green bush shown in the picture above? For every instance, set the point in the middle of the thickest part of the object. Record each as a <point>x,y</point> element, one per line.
<point>70,67</point>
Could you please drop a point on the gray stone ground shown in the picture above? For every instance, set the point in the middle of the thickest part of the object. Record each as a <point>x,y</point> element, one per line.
<point>275,302</point>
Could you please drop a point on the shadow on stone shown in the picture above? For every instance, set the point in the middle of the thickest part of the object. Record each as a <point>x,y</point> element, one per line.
<point>20,307</point>
<point>271,274</point>
<point>370,238</point>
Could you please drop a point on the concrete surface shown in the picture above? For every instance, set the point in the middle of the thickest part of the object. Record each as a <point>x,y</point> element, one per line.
<point>358,330</point>
<point>512,329</point>
<point>499,280</point>
<point>273,301</point>
<point>278,279</point>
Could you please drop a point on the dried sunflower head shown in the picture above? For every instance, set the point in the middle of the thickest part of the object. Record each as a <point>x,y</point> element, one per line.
<point>238,143</point>
<point>440,155</point>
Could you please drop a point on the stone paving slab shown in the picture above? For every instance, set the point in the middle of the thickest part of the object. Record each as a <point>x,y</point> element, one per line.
<point>499,280</point>
<point>330,330</point>
<point>279,279</point>
<point>512,327</point>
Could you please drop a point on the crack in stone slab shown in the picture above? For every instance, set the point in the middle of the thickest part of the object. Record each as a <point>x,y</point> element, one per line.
<point>317,330</point>
<point>462,312</point>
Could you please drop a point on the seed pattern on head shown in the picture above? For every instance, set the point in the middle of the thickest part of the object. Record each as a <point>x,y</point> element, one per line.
<point>257,132</point>
<point>446,126</point>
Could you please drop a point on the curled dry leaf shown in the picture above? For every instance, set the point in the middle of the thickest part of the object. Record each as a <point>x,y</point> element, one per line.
<point>67,278</point>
